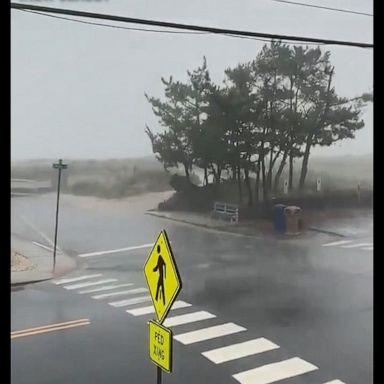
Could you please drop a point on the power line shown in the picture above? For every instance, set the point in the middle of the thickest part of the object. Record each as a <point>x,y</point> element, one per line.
<point>146,30</point>
<point>114,26</point>
<point>322,7</point>
<point>189,27</point>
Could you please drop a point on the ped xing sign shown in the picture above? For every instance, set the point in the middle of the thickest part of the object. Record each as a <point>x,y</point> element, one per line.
<point>160,345</point>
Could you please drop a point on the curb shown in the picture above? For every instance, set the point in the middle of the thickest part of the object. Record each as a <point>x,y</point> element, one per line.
<point>182,221</point>
<point>26,282</point>
<point>221,229</point>
<point>325,231</point>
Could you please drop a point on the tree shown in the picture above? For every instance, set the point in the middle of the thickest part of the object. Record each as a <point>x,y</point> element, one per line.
<point>330,118</point>
<point>173,146</point>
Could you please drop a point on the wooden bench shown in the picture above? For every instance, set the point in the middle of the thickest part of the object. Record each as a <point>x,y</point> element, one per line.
<point>226,211</point>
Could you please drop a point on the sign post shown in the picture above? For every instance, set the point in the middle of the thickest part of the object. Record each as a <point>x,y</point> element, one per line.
<point>164,283</point>
<point>60,166</point>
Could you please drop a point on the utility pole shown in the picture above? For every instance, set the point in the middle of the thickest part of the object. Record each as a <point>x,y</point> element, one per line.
<point>60,166</point>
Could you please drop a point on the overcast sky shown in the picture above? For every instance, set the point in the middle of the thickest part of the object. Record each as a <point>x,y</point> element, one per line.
<point>77,91</point>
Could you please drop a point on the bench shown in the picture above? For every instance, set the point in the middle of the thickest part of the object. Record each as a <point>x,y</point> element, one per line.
<point>226,211</point>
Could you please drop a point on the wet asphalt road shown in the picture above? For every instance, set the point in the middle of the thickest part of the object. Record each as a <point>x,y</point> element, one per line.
<point>314,302</point>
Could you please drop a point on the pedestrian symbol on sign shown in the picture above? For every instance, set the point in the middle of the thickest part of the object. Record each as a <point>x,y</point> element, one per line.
<point>162,276</point>
<point>162,268</point>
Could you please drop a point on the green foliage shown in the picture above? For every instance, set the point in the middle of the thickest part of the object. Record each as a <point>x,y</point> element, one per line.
<point>268,111</point>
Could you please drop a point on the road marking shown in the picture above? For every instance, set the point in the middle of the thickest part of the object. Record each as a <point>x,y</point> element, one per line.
<point>79,278</point>
<point>128,292</point>
<point>105,288</point>
<point>357,245</point>
<point>236,351</point>
<point>44,246</point>
<point>89,284</point>
<point>116,250</point>
<point>335,382</point>
<point>208,333</point>
<point>150,309</point>
<point>336,243</point>
<point>274,372</point>
<point>136,300</point>
<point>188,318</point>
<point>368,249</point>
<point>49,328</point>
<point>43,235</point>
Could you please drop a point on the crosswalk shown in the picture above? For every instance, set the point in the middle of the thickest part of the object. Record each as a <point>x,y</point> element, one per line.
<point>350,244</point>
<point>134,300</point>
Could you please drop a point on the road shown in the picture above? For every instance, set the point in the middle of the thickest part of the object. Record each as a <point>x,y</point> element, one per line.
<point>303,306</point>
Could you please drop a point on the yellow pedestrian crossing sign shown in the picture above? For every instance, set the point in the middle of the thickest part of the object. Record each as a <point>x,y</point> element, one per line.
<point>162,276</point>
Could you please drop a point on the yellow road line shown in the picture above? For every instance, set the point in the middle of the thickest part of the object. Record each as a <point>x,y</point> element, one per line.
<point>49,328</point>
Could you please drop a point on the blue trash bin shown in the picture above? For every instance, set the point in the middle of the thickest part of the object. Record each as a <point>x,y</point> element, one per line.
<point>279,223</point>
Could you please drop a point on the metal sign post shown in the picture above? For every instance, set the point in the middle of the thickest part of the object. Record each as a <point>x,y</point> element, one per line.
<point>60,166</point>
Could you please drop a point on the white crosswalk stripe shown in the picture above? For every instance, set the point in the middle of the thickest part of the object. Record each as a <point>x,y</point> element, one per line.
<point>237,351</point>
<point>209,333</point>
<point>105,288</point>
<point>358,245</point>
<point>335,382</point>
<point>120,293</point>
<point>350,244</point>
<point>188,318</point>
<point>111,251</point>
<point>89,284</point>
<point>270,373</point>
<point>73,279</point>
<point>136,300</point>
<point>335,243</point>
<point>150,309</point>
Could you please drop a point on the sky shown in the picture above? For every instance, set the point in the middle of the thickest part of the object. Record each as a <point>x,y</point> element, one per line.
<point>77,90</point>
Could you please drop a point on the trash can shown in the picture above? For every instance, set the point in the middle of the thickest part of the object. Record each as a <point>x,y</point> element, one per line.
<point>293,220</point>
<point>279,218</point>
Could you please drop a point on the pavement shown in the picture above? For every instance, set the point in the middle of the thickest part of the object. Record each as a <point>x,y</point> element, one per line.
<point>303,307</point>
<point>41,258</point>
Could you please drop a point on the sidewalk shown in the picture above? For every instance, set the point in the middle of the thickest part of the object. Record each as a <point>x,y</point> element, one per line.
<point>40,260</point>
<point>346,223</point>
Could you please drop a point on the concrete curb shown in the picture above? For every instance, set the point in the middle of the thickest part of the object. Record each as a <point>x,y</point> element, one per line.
<point>152,213</point>
<point>326,231</point>
<point>220,229</point>
<point>227,230</point>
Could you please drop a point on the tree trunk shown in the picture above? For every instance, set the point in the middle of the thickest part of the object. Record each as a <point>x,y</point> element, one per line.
<point>304,167</point>
<point>280,171</point>
<point>205,176</point>
<point>269,174</point>
<point>272,162</point>
<point>265,193</point>
<point>234,178</point>
<point>239,184</point>
<point>290,178</point>
<point>218,179</point>
<point>214,173</point>
<point>257,184</point>
<point>187,172</point>
<point>248,185</point>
